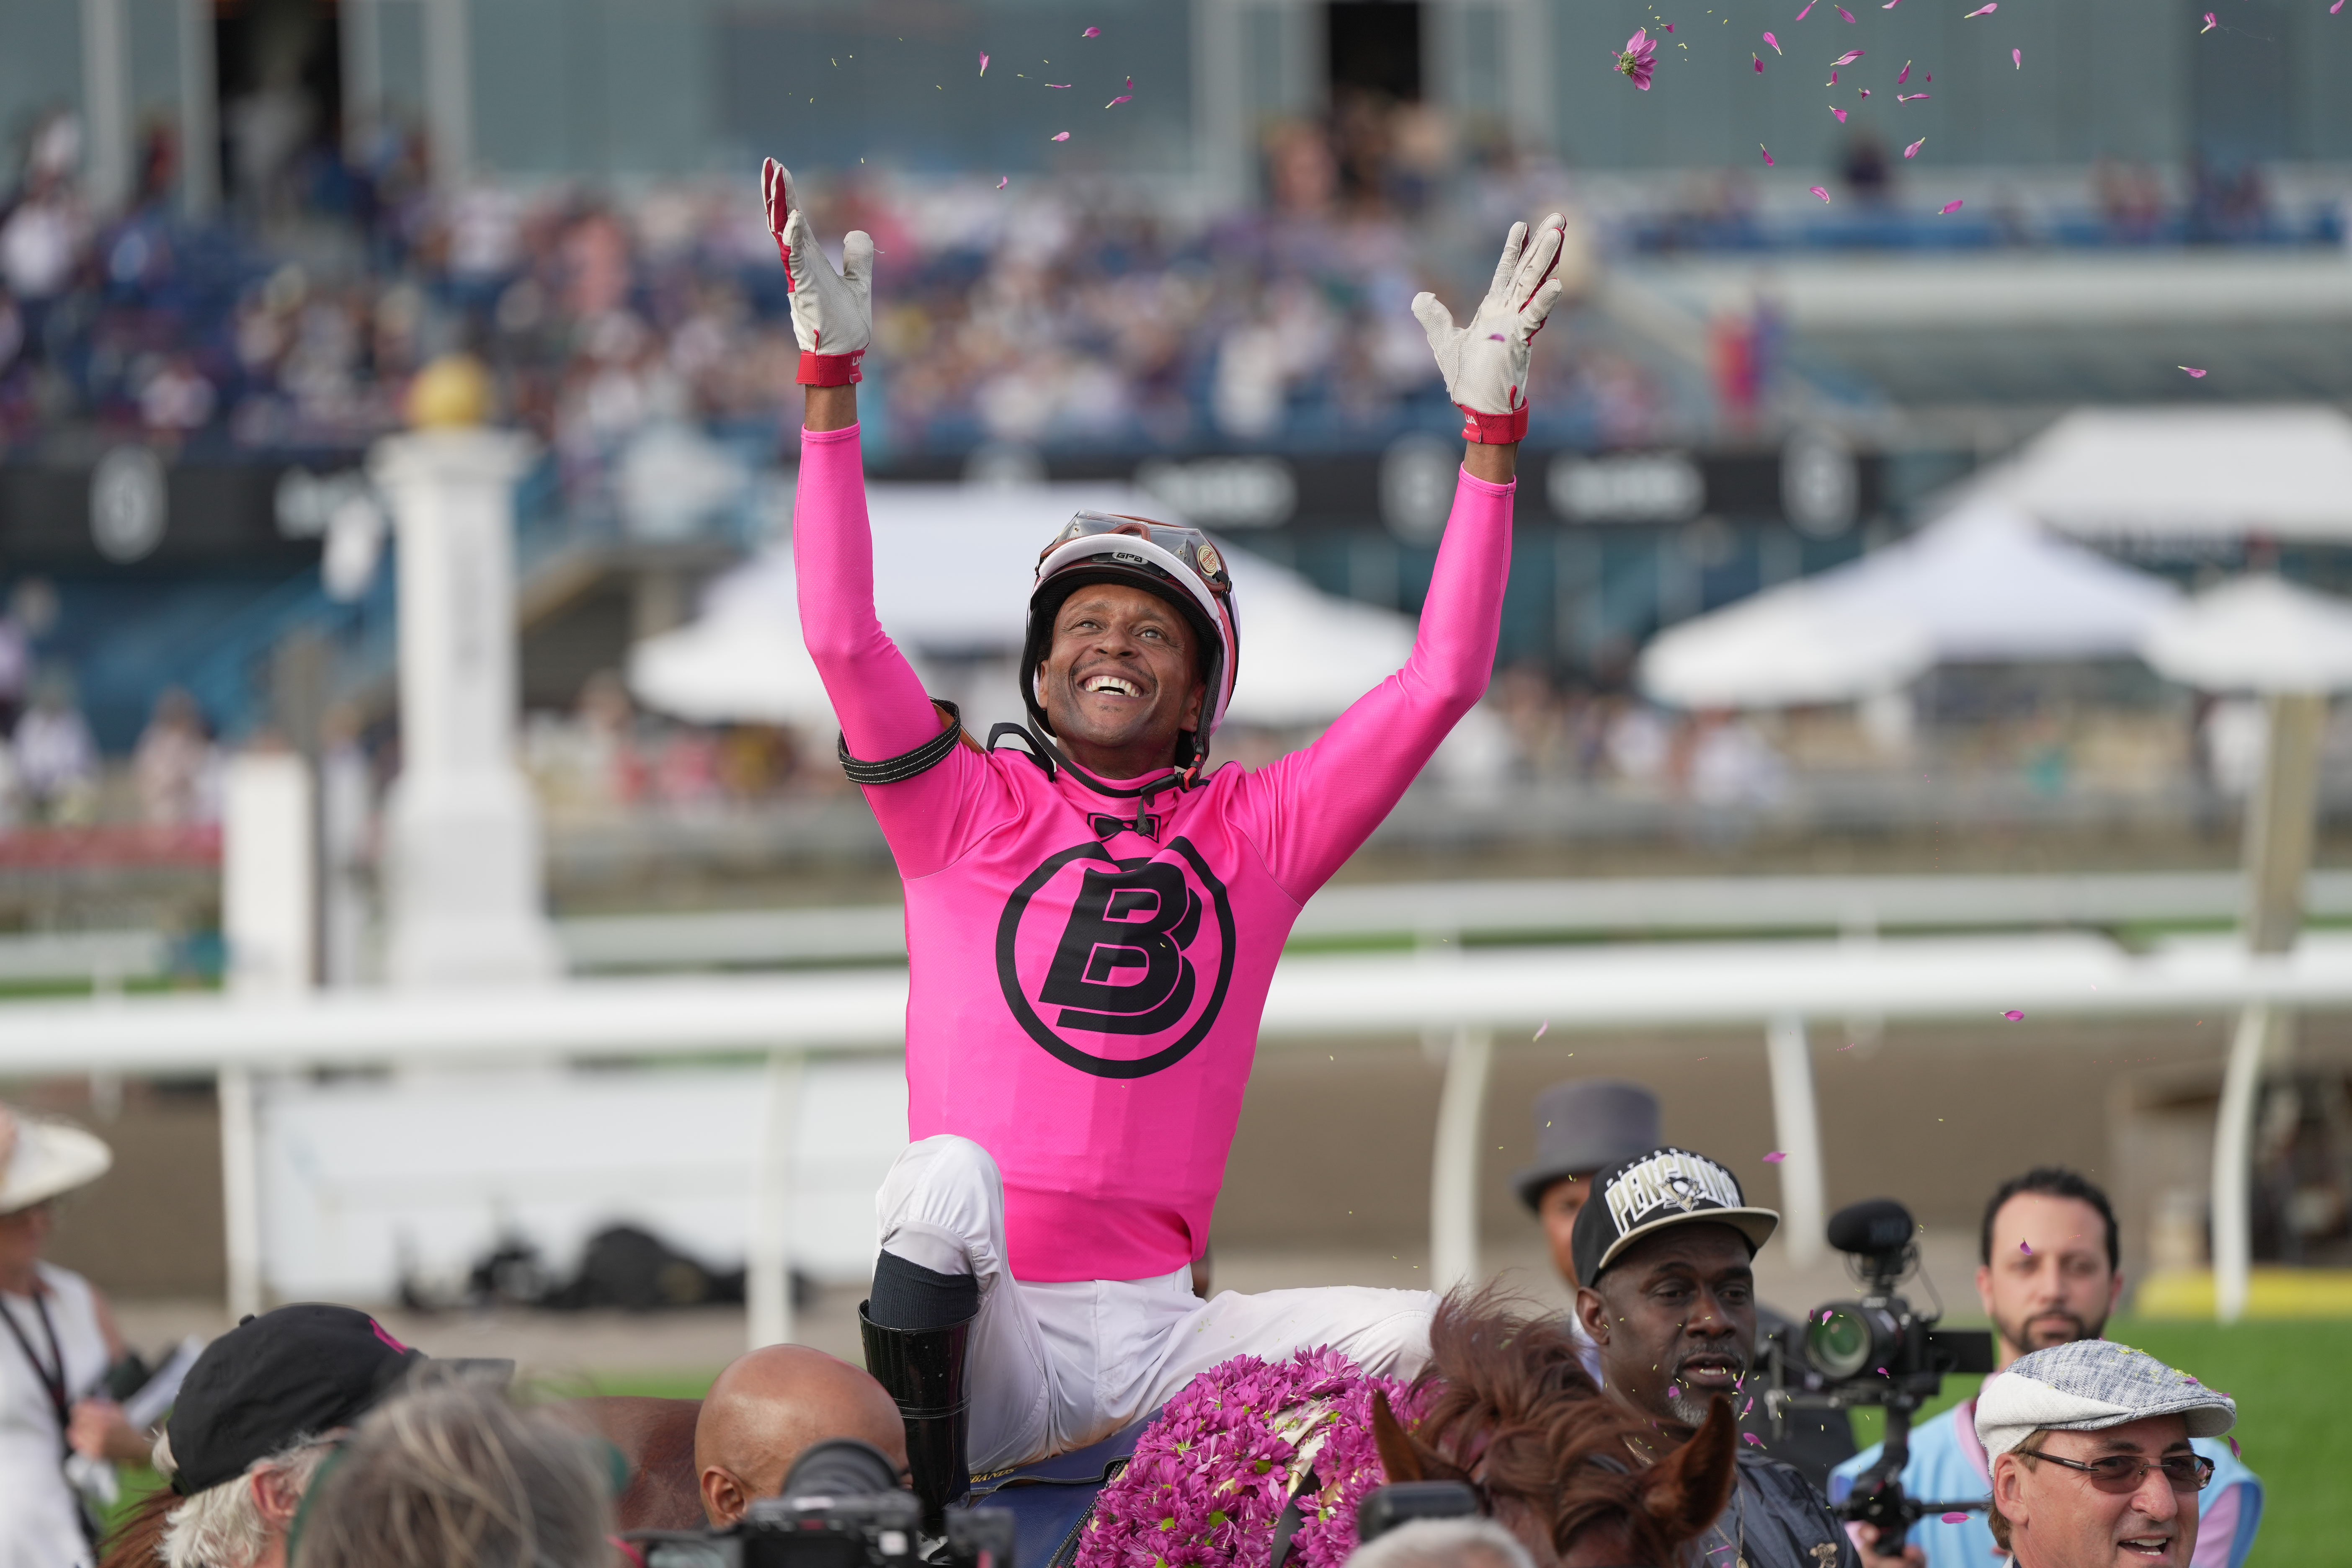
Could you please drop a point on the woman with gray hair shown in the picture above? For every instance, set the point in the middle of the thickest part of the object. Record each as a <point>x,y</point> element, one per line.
<point>453,1475</point>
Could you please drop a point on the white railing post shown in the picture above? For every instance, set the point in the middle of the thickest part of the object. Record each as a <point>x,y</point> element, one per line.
<point>768,1262</point>
<point>240,1191</point>
<point>1453,1163</point>
<point>1796,1124</point>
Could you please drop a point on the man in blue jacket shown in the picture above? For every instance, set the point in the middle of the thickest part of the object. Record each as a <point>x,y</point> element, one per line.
<point>2050,1275</point>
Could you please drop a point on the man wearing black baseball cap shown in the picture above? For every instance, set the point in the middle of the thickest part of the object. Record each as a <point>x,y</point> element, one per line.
<point>259,1410</point>
<point>1662,1251</point>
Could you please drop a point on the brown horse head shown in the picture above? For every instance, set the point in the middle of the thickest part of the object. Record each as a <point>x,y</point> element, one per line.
<point>1577,1477</point>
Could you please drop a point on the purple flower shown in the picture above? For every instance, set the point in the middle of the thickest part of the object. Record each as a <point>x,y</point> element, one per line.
<point>1639,58</point>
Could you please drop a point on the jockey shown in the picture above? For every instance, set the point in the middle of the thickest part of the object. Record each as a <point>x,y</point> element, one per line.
<point>1092,922</point>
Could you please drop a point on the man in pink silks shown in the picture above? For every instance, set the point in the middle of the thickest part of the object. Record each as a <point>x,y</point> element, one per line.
<point>1092,922</point>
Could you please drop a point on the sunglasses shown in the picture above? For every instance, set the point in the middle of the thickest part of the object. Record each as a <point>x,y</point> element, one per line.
<point>2122,1473</point>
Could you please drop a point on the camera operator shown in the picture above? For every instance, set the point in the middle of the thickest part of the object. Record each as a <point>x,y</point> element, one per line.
<point>769,1408</point>
<point>2049,1273</point>
<point>2091,1457</point>
<point>1663,1248</point>
<point>1585,1124</point>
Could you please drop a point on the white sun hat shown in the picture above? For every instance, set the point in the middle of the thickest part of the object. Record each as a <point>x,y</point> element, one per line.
<point>38,1160</point>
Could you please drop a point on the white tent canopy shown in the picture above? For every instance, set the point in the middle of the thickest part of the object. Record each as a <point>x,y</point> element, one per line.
<point>951,576</point>
<point>2284,470</point>
<point>2255,634</point>
<point>1984,584</point>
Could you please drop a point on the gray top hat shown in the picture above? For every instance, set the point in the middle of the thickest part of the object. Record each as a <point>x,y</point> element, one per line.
<point>1586,1125</point>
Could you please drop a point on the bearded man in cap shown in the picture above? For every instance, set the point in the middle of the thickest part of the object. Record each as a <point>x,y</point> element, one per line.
<point>1663,1248</point>
<point>2089,1444</point>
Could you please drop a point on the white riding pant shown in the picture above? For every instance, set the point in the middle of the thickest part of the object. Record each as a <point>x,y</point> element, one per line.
<point>1057,1365</point>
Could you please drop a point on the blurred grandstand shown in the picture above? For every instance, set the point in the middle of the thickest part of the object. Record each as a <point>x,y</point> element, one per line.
<point>1203,292</point>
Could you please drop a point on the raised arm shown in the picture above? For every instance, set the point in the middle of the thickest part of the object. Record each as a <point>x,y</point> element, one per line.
<point>1316,805</point>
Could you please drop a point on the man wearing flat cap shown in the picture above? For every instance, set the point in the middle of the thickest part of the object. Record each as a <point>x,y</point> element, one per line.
<point>2089,1444</point>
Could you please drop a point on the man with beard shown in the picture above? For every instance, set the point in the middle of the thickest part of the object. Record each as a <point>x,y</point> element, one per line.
<point>2049,1275</point>
<point>1663,1248</point>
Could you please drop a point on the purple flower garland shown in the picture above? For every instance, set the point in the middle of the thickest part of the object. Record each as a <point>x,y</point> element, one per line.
<point>1211,1476</point>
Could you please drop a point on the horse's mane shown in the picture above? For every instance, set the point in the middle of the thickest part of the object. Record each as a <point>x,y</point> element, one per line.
<point>1509,1402</point>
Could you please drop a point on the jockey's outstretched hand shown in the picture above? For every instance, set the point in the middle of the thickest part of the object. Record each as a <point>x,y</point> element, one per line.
<point>1485,363</point>
<point>833,312</point>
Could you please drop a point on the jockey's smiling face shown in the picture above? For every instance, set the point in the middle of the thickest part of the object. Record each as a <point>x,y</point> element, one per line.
<point>1121,679</point>
<point>1675,1317</point>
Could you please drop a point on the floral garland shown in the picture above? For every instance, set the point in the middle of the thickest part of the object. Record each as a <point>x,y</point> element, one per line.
<point>1212,1475</point>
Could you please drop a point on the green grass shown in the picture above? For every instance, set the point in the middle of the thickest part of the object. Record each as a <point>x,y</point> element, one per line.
<point>2291,1381</point>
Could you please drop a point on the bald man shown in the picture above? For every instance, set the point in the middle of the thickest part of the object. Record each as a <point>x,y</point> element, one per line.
<point>771,1406</point>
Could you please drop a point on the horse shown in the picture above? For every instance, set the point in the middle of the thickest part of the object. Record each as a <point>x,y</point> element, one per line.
<point>656,1439</point>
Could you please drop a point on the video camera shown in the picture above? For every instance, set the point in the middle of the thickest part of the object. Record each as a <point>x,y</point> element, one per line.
<point>1878,1350</point>
<point>841,1507</point>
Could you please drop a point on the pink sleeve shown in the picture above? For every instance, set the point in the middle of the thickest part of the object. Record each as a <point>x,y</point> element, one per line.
<point>1310,810</point>
<point>876,694</point>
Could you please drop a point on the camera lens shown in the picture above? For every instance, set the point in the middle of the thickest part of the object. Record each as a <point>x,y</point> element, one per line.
<point>1847,1340</point>
<point>841,1467</point>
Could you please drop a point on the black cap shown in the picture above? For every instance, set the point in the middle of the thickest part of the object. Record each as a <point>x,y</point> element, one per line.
<point>304,1369</point>
<point>1648,1193</point>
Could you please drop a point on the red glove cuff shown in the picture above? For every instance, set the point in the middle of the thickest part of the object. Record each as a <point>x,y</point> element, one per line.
<point>1492,429</point>
<point>840,370</point>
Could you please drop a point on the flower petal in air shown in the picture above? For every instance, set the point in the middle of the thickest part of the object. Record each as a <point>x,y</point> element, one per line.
<point>1864,90</point>
<point>2338,6</point>
<point>1091,33</point>
<point>1751,1438</point>
<point>1982,11</point>
<point>1122,98</point>
<point>1767,154</point>
<point>1774,42</point>
<point>1825,196</point>
<point>1776,1156</point>
<point>1949,207</point>
<point>2211,22</point>
<point>1844,12</point>
<point>1955,1519</point>
<point>2018,57</point>
<point>1059,136</point>
<point>1059,86</point>
<point>1846,59</point>
<point>2194,374</point>
<point>1541,1027</point>
<point>1759,59</point>
<point>1003,182</point>
<point>1833,82</point>
<point>1913,150</point>
<point>1909,97</point>
<point>2013,1015</point>
<point>1838,113</point>
<point>1903,75</point>
<point>1807,10</point>
<point>984,62</point>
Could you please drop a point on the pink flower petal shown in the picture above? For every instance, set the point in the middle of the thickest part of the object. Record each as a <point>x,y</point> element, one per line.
<point>984,62</point>
<point>2338,6</point>
<point>1903,75</point>
<point>1833,82</point>
<point>1838,113</point>
<point>1775,1157</point>
<point>2211,22</point>
<point>1759,59</point>
<point>1807,10</point>
<point>1864,90</point>
<point>1844,12</point>
<point>1059,86</point>
<point>1909,97</point>
<point>2194,374</point>
<point>1751,1438</point>
<point>1824,195</point>
<point>2013,1015</point>
<point>1060,136</point>
<point>1949,207</point>
<point>1982,11</point>
<point>2235,1451</point>
<point>1846,59</point>
<point>2018,56</point>
<point>2021,1247</point>
<point>1667,28</point>
<point>1768,153</point>
<point>1541,1027</point>
<point>1955,1519</point>
<point>1091,33</point>
<point>1913,150</point>
<point>1774,42</point>
<point>1122,98</point>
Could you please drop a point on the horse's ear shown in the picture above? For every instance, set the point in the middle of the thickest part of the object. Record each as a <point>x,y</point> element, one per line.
<point>1403,1456</point>
<point>1687,1490</point>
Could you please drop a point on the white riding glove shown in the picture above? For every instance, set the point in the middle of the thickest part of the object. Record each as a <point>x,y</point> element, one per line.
<point>1485,363</point>
<point>833,312</point>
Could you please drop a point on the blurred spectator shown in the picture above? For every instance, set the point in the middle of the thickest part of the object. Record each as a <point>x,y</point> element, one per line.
<point>57,757</point>
<point>1733,765</point>
<point>176,765</point>
<point>1868,173</point>
<point>456,1475</point>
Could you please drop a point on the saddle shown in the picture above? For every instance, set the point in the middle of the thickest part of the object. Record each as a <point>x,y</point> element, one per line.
<point>1052,1499</point>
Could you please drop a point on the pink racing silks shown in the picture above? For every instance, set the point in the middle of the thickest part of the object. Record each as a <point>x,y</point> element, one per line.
<point>1086,971</point>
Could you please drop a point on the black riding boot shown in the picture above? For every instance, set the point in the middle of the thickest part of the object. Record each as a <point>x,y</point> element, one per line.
<point>924,1371</point>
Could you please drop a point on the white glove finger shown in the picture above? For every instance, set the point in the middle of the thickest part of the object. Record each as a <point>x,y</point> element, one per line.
<point>857,266</point>
<point>776,194</point>
<point>1435,319</point>
<point>1510,264</point>
<point>1531,321</point>
<point>804,259</point>
<point>1541,258</point>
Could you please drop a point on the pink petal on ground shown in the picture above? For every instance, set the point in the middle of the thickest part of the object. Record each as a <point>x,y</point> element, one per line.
<point>1768,153</point>
<point>1838,113</point>
<point>1846,59</point>
<point>1913,150</point>
<point>1824,195</point>
<point>2018,56</point>
<point>984,62</point>
<point>1774,42</point>
<point>1807,10</point>
<point>2013,1015</point>
<point>1903,75</point>
<point>2211,22</point>
<point>1949,207</point>
<point>2194,374</point>
<point>1096,33</point>
<point>1122,98</point>
<point>1059,136</point>
<point>1982,11</point>
<point>1955,1519</point>
<point>1541,1027</point>
<point>1775,1157</point>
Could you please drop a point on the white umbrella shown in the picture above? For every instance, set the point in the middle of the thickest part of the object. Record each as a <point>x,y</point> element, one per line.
<point>2255,634</point>
<point>2284,470</point>
<point>1306,656</point>
<point>1791,648</point>
<point>742,662</point>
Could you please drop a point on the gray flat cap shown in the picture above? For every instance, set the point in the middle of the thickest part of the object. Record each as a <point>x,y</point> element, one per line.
<point>1586,1125</point>
<point>2088,1385</point>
